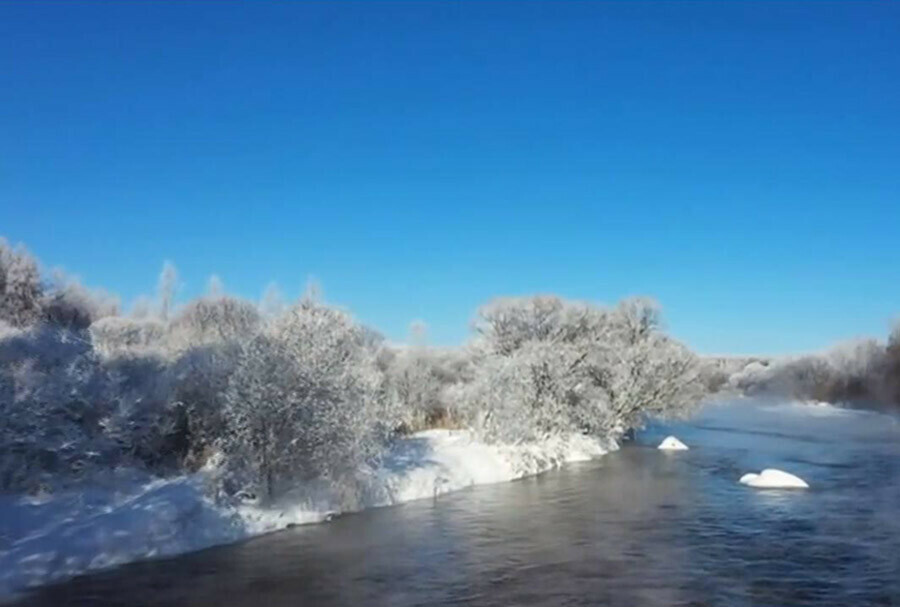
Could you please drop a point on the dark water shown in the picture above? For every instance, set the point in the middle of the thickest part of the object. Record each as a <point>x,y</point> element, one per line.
<point>639,528</point>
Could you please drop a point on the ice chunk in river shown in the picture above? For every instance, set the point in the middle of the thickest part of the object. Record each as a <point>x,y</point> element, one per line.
<point>770,478</point>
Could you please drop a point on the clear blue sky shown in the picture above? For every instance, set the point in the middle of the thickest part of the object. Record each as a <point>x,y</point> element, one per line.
<point>738,161</point>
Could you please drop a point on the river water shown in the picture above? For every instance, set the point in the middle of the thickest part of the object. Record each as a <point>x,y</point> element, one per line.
<point>637,528</point>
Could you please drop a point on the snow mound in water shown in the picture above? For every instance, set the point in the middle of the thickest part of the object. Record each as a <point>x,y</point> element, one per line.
<point>672,444</point>
<point>770,478</point>
<point>64,535</point>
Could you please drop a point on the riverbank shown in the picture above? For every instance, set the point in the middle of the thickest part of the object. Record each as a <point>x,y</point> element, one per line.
<point>129,517</point>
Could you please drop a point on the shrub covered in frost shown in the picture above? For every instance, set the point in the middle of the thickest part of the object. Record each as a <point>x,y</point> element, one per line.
<point>116,335</point>
<point>26,300</point>
<point>54,400</point>
<point>302,403</point>
<point>418,385</point>
<point>68,304</point>
<point>543,366</point>
<point>20,286</point>
<point>213,319</point>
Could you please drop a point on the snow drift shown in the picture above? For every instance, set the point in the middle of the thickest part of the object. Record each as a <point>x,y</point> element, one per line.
<point>771,478</point>
<point>45,540</point>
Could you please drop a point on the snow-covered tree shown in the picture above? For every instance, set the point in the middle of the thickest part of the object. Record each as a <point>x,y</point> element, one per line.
<point>146,422</point>
<point>118,334</point>
<point>303,402</point>
<point>641,371</point>
<point>417,379</point>
<point>853,371</point>
<point>69,304</point>
<point>215,288</point>
<point>544,365</point>
<point>54,396</point>
<point>21,289</point>
<point>213,319</point>
<point>652,377</point>
<point>165,289</point>
<point>200,377</point>
<point>272,303</point>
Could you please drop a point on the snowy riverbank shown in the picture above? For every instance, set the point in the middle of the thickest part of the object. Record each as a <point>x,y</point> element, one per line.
<point>49,539</point>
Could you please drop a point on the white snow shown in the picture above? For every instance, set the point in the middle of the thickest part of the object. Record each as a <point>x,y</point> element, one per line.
<point>454,459</point>
<point>428,464</point>
<point>672,444</point>
<point>67,534</point>
<point>42,540</point>
<point>771,478</point>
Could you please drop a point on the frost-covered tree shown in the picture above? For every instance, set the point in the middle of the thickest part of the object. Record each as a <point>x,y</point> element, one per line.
<point>414,382</point>
<point>418,380</point>
<point>856,371</point>
<point>67,412</point>
<point>544,366</point>
<point>118,334</point>
<point>641,371</point>
<point>206,337</point>
<point>215,288</point>
<point>536,391</point>
<point>147,423</point>
<point>54,396</point>
<point>303,402</point>
<point>272,303</point>
<point>213,319</point>
<point>654,376</point>
<point>21,289</point>
<point>69,304</point>
<point>200,377</point>
<point>530,373</point>
<point>165,289</point>
<point>890,370</point>
<point>142,308</point>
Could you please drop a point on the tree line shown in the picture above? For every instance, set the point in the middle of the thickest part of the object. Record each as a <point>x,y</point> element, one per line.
<point>862,372</point>
<point>278,394</point>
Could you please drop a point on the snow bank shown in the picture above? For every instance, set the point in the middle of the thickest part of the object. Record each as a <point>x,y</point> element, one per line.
<point>44,540</point>
<point>427,464</point>
<point>672,444</point>
<point>62,536</point>
<point>454,460</point>
<point>770,478</point>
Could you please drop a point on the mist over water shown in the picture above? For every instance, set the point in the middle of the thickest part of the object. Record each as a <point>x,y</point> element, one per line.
<point>638,527</point>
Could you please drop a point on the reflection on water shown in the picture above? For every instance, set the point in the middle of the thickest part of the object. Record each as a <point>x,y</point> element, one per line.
<point>638,528</point>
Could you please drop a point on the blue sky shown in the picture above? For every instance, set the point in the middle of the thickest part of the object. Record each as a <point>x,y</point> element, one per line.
<point>738,161</point>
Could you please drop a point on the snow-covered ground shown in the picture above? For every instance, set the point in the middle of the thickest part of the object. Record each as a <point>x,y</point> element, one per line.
<point>131,518</point>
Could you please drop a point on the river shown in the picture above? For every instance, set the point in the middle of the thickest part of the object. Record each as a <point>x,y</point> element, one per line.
<point>637,528</point>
